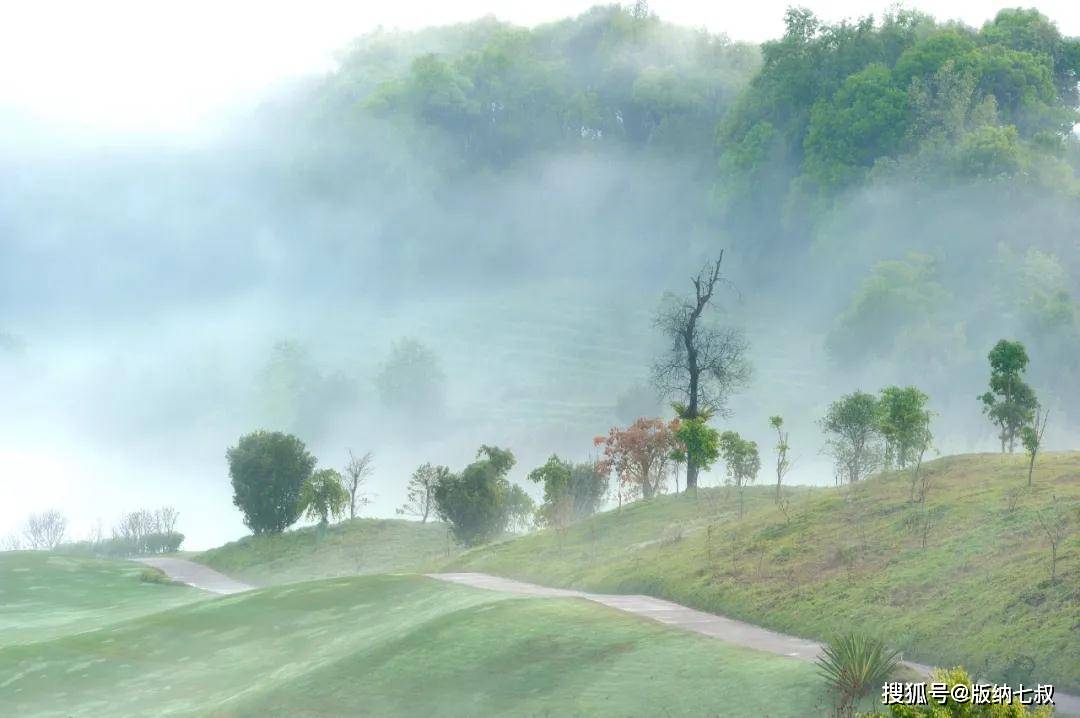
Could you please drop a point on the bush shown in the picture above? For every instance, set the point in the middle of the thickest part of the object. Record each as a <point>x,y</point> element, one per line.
<point>126,547</point>
<point>154,575</point>
<point>952,709</point>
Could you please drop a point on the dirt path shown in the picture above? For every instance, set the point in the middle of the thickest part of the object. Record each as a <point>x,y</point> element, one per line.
<point>197,575</point>
<point>708,624</point>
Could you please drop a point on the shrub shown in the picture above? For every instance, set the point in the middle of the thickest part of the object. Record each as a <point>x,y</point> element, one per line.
<point>854,665</point>
<point>952,709</point>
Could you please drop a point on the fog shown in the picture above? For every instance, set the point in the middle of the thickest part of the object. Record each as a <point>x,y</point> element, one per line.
<point>145,279</point>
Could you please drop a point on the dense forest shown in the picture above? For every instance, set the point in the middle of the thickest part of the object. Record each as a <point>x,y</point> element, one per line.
<point>922,175</point>
<point>893,194</point>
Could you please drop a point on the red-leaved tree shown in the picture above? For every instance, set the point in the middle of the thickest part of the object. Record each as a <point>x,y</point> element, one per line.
<point>640,456</point>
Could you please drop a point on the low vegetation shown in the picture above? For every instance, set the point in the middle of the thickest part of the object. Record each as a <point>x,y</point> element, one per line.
<point>360,546</point>
<point>971,586</point>
<point>396,646</point>
<point>44,595</point>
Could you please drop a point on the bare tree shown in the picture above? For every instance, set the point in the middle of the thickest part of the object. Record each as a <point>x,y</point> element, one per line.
<point>166,518</point>
<point>10,542</point>
<point>704,363</point>
<point>357,471</point>
<point>1055,524</point>
<point>45,530</point>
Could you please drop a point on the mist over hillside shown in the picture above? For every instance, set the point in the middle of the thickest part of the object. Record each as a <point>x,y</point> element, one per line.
<point>892,197</point>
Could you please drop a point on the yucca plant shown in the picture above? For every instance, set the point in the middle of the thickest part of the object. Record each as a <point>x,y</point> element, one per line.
<point>854,665</point>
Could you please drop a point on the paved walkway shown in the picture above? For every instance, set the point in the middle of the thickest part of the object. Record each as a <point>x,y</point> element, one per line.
<point>708,624</point>
<point>195,574</point>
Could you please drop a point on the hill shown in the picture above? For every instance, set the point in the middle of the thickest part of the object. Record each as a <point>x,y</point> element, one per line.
<point>978,593</point>
<point>43,595</point>
<point>359,546</point>
<point>396,646</point>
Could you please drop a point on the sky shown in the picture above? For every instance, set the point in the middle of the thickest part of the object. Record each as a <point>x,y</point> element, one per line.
<point>147,66</point>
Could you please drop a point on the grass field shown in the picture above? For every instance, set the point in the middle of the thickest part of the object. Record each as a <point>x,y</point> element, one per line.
<point>978,594</point>
<point>45,595</point>
<point>357,547</point>
<point>396,646</point>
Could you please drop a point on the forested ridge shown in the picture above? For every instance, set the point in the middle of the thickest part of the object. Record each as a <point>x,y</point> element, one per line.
<point>923,173</point>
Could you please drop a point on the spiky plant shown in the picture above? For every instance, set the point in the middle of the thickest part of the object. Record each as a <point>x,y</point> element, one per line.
<point>854,665</point>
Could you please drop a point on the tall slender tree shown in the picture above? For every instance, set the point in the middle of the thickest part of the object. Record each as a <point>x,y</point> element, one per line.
<point>704,363</point>
<point>1010,403</point>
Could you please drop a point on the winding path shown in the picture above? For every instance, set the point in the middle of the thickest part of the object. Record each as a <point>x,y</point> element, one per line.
<point>656,609</point>
<point>195,574</point>
<point>689,619</point>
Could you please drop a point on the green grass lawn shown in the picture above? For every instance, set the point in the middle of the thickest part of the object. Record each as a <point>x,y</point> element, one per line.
<point>979,593</point>
<point>360,546</point>
<point>45,595</point>
<point>397,646</point>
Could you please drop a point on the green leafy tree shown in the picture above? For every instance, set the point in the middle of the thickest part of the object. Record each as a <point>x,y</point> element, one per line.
<point>268,470</point>
<point>324,496</point>
<point>865,119</point>
<point>1031,437</point>
<point>698,442</point>
<point>478,503</point>
<point>420,499</point>
<point>783,463</point>
<point>1010,403</point>
<point>742,461</point>
<point>411,383</point>
<point>904,423</point>
<point>571,491</point>
<point>853,436</point>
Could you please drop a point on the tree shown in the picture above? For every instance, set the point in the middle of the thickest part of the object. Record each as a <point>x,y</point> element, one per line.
<point>742,460</point>
<point>478,503</point>
<point>421,491</point>
<point>638,455</point>
<point>166,518</point>
<point>853,437</point>
<point>268,469</point>
<point>1055,524</point>
<point>45,530</point>
<point>698,443</point>
<point>904,424</point>
<point>1010,403</point>
<point>1031,437</point>
<point>357,470</point>
<point>324,496</point>
<point>783,464</point>
<point>520,509</point>
<point>704,364</point>
<point>411,382</point>
<point>571,491</point>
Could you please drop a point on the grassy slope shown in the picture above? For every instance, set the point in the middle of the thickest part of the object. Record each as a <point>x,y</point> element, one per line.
<point>44,595</point>
<point>360,546</point>
<point>979,594</point>
<point>396,646</point>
